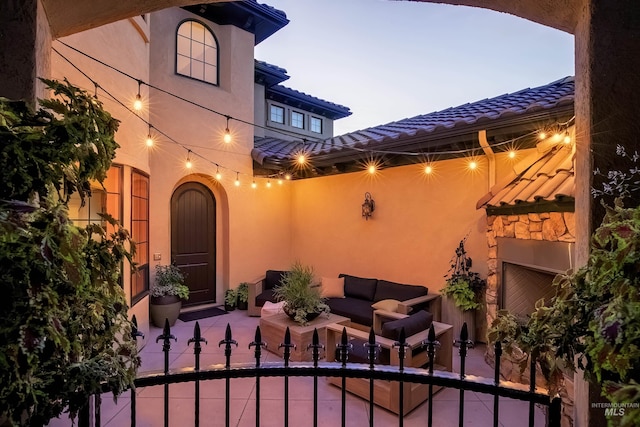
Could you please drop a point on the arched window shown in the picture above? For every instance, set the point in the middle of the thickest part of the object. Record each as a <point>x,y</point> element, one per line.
<point>197,52</point>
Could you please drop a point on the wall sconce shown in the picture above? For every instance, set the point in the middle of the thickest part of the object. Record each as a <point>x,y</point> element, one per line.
<point>368,206</point>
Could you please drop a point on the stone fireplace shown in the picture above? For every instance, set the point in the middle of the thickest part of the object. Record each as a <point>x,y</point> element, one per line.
<point>526,252</point>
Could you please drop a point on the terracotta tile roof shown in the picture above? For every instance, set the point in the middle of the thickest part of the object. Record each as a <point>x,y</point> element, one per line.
<point>436,125</point>
<point>545,176</point>
<point>294,97</point>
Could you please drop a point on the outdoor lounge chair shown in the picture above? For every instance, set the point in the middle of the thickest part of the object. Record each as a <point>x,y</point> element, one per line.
<point>386,393</point>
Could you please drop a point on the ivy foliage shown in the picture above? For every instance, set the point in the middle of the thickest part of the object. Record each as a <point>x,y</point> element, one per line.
<point>593,321</point>
<point>64,329</point>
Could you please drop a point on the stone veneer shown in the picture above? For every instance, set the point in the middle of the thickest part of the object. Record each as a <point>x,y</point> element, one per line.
<point>548,226</point>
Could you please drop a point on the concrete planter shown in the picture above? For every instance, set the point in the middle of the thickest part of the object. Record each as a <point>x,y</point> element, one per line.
<point>166,307</point>
<point>456,317</point>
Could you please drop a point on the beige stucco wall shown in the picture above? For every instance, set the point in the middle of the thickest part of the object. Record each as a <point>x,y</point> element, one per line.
<point>416,226</point>
<point>252,224</point>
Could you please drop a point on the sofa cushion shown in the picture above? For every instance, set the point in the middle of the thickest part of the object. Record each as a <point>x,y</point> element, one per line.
<point>265,296</point>
<point>413,324</point>
<point>332,287</point>
<point>386,304</point>
<point>392,290</point>
<point>358,310</point>
<point>273,278</point>
<point>359,287</point>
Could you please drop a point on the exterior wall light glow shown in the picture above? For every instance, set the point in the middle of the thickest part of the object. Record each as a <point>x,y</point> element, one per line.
<point>368,206</point>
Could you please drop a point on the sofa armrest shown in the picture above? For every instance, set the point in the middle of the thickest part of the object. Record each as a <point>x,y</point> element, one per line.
<point>255,289</point>
<point>381,316</point>
<point>433,304</point>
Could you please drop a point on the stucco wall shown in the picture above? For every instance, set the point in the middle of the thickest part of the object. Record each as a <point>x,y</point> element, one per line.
<point>252,228</point>
<point>416,226</point>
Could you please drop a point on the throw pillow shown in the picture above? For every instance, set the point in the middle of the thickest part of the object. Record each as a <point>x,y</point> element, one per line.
<point>332,287</point>
<point>412,325</point>
<point>386,304</point>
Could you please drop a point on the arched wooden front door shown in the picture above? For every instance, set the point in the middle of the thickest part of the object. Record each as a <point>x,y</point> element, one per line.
<point>193,240</point>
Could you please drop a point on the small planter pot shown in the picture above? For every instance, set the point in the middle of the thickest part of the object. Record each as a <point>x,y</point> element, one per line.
<point>161,308</point>
<point>242,305</point>
<point>228,307</point>
<point>456,317</point>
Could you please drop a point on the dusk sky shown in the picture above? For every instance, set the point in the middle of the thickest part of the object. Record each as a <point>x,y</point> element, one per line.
<point>387,60</point>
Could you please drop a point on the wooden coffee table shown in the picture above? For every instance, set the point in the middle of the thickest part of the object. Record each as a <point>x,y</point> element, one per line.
<point>273,329</point>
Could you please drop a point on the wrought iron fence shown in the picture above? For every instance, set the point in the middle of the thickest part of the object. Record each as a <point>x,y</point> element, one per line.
<point>342,369</point>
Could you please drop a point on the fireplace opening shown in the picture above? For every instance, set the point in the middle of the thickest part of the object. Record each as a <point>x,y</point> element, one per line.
<point>523,286</point>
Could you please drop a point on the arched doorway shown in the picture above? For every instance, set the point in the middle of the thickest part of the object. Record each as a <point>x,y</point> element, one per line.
<point>193,240</point>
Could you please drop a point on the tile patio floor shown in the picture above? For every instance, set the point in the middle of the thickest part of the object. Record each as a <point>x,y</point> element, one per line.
<point>478,407</point>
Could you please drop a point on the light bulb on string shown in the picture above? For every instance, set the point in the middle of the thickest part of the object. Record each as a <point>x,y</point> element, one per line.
<point>472,165</point>
<point>227,133</point>
<point>237,179</point>
<point>372,169</point>
<point>557,137</point>
<point>287,176</point>
<point>428,169</point>
<point>280,181</point>
<point>95,90</point>
<point>542,135</point>
<point>512,154</point>
<point>188,164</point>
<point>302,159</point>
<point>253,184</point>
<point>149,140</point>
<point>268,183</point>
<point>218,174</point>
<point>567,138</point>
<point>137,104</point>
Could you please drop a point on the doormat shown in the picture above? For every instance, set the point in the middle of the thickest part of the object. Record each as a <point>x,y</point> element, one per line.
<point>201,314</point>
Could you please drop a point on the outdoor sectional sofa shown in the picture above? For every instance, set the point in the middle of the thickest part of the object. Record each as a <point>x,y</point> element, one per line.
<point>359,296</point>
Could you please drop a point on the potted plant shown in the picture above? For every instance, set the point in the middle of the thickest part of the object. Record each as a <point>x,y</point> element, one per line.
<point>167,295</point>
<point>230,299</point>
<point>302,301</point>
<point>462,292</point>
<point>243,296</point>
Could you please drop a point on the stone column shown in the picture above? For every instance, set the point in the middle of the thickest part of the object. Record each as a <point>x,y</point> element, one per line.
<point>607,107</point>
<point>25,49</point>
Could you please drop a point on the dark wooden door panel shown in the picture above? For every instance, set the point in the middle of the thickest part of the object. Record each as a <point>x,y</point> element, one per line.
<point>193,225</point>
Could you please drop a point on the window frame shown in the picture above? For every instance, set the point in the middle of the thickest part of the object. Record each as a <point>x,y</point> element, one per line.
<point>291,120</point>
<point>281,109</point>
<point>143,269</point>
<point>319,121</point>
<point>191,58</point>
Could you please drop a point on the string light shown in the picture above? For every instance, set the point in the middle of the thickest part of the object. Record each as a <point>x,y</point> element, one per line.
<point>268,183</point>
<point>137,104</point>
<point>372,169</point>
<point>237,179</point>
<point>280,181</point>
<point>189,165</point>
<point>253,184</point>
<point>557,137</point>
<point>227,133</point>
<point>512,154</point>
<point>149,138</point>
<point>218,174</point>
<point>472,165</point>
<point>428,169</point>
<point>302,157</point>
<point>95,90</point>
<point>287,176</point>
